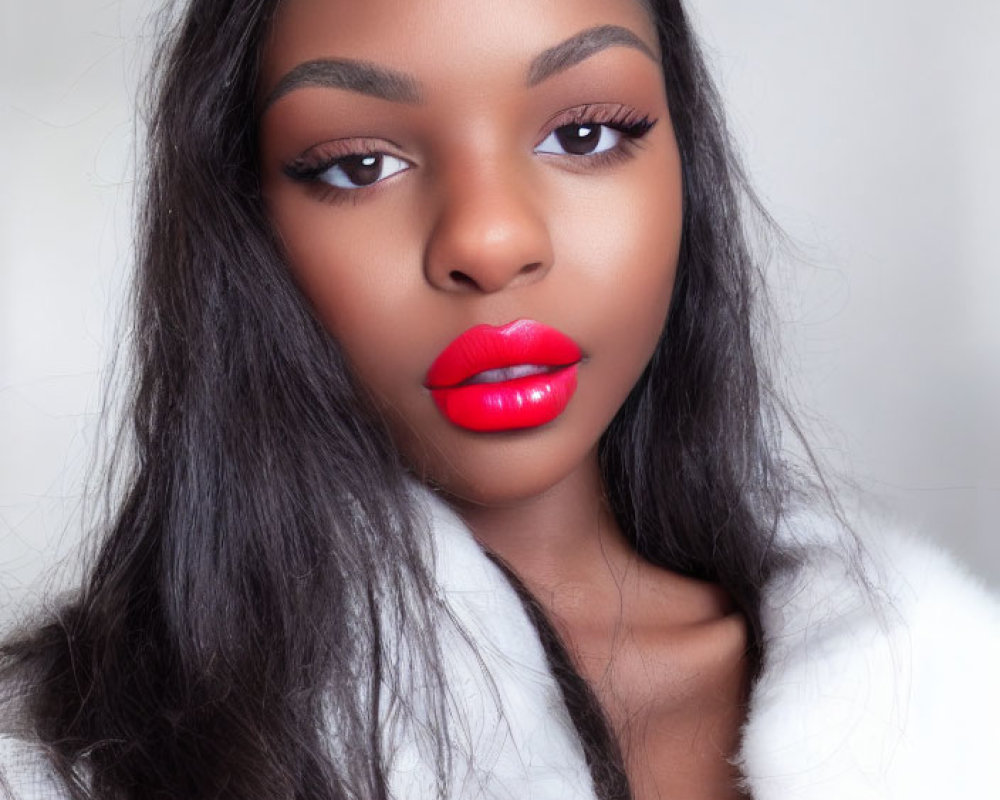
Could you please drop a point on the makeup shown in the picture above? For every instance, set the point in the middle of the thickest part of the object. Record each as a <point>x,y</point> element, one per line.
<point>544,143</point>
<point>491,379</point>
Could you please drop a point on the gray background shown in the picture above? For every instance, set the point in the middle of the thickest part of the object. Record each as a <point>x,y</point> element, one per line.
<point>869,128</point>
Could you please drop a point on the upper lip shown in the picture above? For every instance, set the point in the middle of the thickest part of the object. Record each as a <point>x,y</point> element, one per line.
<point>484,347</point>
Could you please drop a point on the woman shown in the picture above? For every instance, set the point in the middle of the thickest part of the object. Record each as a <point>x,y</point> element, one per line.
<point>420,281</point>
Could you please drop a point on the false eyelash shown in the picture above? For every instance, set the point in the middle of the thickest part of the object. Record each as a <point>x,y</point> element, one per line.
<point>632,124</point>
<point>307,167</point>
<point>628,121</point>
<point>308,171</point>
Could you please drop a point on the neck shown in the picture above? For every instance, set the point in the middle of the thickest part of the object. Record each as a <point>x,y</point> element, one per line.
<point>562,536</point>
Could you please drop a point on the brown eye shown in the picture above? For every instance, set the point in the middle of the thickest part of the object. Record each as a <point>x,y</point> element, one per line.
<point>357,171</point>
<point>580,140</point>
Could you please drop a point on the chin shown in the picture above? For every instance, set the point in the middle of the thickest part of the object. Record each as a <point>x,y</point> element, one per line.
<point>504,469</point>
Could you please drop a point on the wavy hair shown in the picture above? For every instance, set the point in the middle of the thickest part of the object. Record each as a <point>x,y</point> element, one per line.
<point>232,617</point>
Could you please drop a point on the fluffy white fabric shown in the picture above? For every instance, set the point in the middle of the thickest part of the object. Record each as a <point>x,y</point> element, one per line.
<point>891,693</point>
<point>510,735</point>
<point>886,692</point>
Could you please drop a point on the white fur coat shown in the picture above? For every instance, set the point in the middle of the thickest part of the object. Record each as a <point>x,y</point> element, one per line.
<point>890,694</point>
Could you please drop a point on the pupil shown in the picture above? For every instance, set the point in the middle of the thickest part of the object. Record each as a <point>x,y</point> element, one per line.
<point>362,170</point>
<point>579,139</point>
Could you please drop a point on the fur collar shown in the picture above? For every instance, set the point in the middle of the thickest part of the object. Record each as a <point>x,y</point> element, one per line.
<point>884,692</point>
<point>879,681</point>
<point>879,678</point>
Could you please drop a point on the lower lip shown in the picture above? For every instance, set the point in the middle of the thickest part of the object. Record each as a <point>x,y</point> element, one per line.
<point>509,405</point>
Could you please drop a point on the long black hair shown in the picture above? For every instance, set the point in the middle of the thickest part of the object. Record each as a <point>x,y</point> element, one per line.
<point>233,616</point>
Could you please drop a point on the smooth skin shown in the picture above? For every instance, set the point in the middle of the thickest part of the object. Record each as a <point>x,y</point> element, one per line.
<point>439,164</point>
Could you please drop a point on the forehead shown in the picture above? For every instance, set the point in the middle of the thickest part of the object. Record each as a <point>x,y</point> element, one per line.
<point>438,41</point>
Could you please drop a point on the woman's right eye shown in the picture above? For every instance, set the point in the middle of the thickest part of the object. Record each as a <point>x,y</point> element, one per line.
<point>358,171</point>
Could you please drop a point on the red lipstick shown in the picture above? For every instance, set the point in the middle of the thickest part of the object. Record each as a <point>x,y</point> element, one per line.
<point>520,375</point>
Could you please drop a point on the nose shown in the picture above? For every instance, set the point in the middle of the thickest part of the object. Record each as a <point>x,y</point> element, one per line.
<point>489,233</point>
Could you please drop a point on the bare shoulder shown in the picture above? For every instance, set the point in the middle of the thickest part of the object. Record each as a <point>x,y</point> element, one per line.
<point>657,632</point>
<point>672,675</point>
<point>679,599</point>
<point>687,641</point>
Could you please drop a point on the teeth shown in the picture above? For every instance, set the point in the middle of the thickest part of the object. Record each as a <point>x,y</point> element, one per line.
<point>508,373</point>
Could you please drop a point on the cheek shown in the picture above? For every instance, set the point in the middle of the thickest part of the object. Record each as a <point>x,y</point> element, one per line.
<point>626,253</point>
<point>629,264</point>
<point>357,275</point>
<point>647,280</point>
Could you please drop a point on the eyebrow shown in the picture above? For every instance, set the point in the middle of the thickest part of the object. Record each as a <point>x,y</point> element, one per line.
<point>355,76</point>
<point>581,47</point>
<point>398,87</point>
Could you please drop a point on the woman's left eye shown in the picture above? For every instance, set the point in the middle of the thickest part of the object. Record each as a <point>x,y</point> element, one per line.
<point>358,171</point>
<point>581,140</point>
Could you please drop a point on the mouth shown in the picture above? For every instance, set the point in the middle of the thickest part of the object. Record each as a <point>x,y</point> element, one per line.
<point>520,375</point>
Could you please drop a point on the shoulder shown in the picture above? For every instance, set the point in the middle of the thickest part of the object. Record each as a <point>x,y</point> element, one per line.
<point>879,673</point>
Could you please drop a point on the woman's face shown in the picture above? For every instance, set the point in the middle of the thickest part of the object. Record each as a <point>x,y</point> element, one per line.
<point>436,166</point>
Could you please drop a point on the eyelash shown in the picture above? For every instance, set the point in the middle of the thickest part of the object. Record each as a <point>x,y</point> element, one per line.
<point>630,124</point>
<point>309,167</point>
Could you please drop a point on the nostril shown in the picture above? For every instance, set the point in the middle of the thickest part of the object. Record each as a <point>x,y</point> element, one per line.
<point>461,279</point>
<point>464,280</point>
